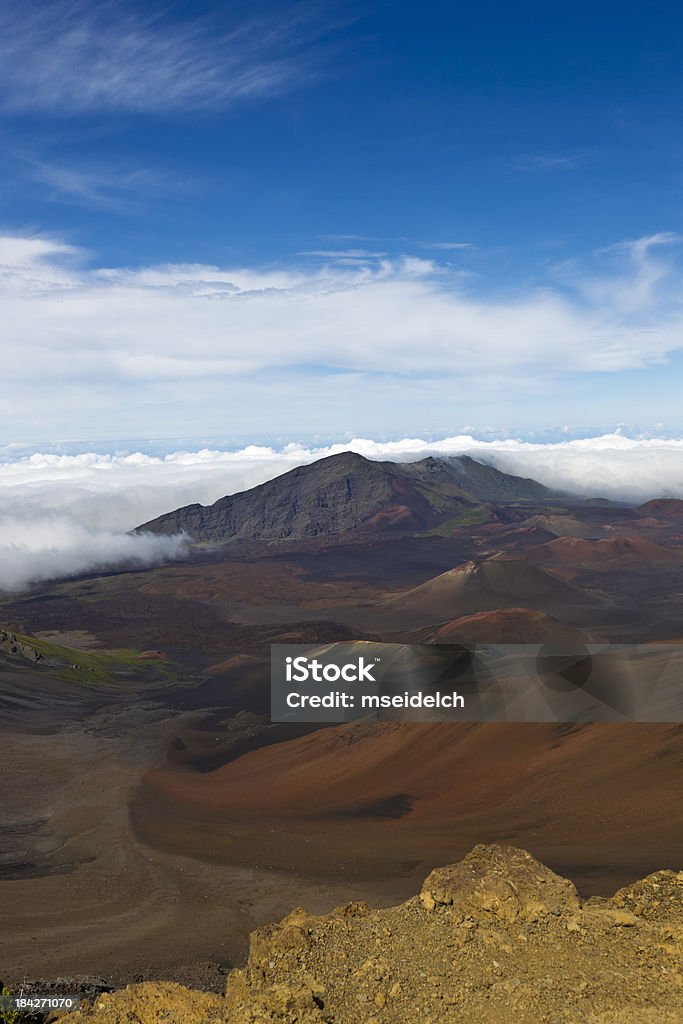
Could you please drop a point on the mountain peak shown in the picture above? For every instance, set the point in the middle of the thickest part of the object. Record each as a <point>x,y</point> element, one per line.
<point>347,492</point>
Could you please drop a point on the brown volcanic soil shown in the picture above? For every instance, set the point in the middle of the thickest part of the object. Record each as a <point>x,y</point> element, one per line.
<point>507,626</point>
<point>662,507</point>
<point>601,802</point>
<point>479,586</point>
<point>232,585</point>
<point>543,527</point>
<point>620,550</point>
<point>563,525</point>
<point>81,895</point>
<point>494,938</point>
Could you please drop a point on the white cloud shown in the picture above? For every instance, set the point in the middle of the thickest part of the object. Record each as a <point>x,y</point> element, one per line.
<point>402,316</point>
<point>362,343</point>
<point>77,57</point>
<point>66,514</point>
<point>38,547</point>
<point>638,291</point>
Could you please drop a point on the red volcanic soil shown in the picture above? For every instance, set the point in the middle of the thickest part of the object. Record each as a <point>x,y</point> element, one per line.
<point>240,589</point>
<point>477,586</point>
<point>394,518</point>
<point>237,663</point>
<point>507,626</point>
<point>661,507</point>
<point>562,525</point>
<point>362,799</point>
<point>621,550</point>
<point>518,531</point>
<point>526,535</point>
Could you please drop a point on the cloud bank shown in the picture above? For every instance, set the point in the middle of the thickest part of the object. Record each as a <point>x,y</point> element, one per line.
<point>363,339</point>
<point>43,547</point>
<point>66,514</point>
<point>358,311</point>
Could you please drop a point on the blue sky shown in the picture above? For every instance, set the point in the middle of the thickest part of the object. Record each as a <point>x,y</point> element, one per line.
<point>295,221</point>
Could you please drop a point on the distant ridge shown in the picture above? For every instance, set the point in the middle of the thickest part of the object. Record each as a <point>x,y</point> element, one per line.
<point>348,492</point>
<point>618,551</point>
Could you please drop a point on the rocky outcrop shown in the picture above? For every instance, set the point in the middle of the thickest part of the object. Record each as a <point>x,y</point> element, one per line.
<point>495,938</point>
<point>18,647</point>
<point>163,1001</point>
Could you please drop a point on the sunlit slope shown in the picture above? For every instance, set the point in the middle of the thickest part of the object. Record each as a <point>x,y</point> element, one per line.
<point>395,794</point>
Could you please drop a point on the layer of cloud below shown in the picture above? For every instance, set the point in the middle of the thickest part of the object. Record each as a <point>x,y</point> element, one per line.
<point>67,514</point>
<point>45,547</point>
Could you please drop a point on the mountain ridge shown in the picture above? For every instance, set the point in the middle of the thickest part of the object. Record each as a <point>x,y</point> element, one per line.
<point>347,492</point>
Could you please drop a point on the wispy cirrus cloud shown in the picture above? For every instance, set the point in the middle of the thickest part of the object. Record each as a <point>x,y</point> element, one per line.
<point>549,162</point>
<point>68,58</point>
<point>114,187</point>
<point>446,246</point>
<point>344,256</point>
<point>349,238</point>
<point>652,269</point>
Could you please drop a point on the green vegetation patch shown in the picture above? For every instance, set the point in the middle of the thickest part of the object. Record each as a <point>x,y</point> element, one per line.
<point>468,517</point>
<point>100,666</point>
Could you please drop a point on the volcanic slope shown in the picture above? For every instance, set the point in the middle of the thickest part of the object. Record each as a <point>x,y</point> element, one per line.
<point>482,586</point>
<point>661,508</point>
<point>505,626</point>
<point>614,551</point>
<point>564,525</point>
<point>398,796</point>
<point>346,492</point>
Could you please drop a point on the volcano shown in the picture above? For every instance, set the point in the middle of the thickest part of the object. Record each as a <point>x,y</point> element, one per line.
<point>347,492</point>
<point>507,626</point>
<point>482,586</point>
